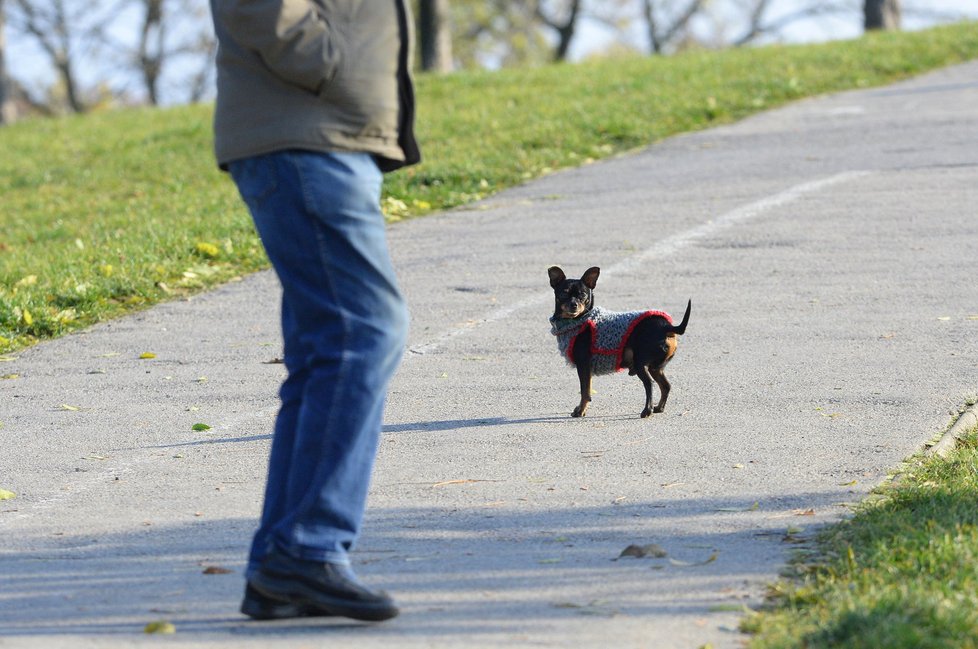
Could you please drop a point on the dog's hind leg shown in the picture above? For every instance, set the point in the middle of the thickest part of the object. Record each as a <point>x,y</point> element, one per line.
<point>664,387</point>
<point>643,374</point>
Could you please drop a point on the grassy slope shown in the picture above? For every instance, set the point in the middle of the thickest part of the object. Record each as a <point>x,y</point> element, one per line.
<point>109,212</point>
<point>901,574</point>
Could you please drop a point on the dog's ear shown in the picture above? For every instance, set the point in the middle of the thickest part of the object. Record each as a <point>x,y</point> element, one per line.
<point>556,276</point>
<point>590,278</point>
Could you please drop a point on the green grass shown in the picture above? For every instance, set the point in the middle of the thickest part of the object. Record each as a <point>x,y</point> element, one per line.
<point>114,211</point>
<point>902,573</point>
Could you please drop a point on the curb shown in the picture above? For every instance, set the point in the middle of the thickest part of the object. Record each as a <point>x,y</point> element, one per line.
<point>965,423</point>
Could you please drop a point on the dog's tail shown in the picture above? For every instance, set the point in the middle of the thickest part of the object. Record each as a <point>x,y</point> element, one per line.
<point>681,327</point>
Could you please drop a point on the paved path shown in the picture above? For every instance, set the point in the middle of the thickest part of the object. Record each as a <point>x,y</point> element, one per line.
<point>829,249</point>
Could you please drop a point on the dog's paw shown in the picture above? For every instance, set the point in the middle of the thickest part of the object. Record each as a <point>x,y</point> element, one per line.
<point>646,413</point>
<point>579,412</point>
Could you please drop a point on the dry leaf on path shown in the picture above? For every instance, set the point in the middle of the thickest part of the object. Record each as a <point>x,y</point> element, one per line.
<point>641,551</point>
<point>217,570</point>
<point>445,483</point>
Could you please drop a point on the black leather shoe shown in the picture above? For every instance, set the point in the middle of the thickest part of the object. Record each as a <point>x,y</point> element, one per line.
<point>329,587</point>
<point>259,607</point>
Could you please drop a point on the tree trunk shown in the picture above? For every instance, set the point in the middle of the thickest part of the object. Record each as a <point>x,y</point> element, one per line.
<point>435,36</point>
<point>8,111</point>
<point>151,49</point>
<point>881,14</point>
<point>565,31</point>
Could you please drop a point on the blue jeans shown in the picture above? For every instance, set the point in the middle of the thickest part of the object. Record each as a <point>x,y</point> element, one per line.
<point>344,324</point>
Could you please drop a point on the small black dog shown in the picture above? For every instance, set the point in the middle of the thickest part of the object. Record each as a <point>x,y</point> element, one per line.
<point>597,341</point>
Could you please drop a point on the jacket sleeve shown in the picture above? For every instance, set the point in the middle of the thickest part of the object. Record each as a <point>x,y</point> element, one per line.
<point>292,37</point>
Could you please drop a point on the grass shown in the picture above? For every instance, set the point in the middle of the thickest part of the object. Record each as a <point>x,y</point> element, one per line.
<point>902,573</point>
<point>115,211</point>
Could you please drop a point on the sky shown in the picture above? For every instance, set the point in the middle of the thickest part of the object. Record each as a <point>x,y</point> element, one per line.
<point>27,64</point>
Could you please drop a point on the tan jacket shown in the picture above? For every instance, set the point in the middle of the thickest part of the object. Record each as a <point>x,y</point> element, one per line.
<point>321,75</point>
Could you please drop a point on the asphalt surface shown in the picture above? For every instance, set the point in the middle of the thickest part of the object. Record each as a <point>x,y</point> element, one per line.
<point>829,249</point>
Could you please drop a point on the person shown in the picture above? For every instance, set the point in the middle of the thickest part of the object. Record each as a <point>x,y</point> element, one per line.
<point>314,104</point>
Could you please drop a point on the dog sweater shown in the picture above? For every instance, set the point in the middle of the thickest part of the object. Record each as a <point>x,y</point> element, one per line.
<point>609,333</point>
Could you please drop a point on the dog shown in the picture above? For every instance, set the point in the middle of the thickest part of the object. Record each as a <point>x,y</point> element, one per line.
<point>597,341</point>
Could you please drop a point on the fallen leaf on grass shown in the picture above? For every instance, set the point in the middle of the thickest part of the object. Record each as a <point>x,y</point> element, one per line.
<point>147,355</point>
<point>208,250</point>
<point>160,626</point>
<point>7,495</point>
<point>200,427</point>
<point>642,551</point>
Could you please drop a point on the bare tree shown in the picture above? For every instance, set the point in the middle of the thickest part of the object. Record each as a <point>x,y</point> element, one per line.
<point>758,23</point>
<point>881,14</point>
<point>499,33</point>
<point>7,109</point>
<point>664,31</point>
<point>54,29</point>
<point>66,32</point>
<point>435,36</point>
<point>565,28</point>
<point>151,49</point>
<point>171,30</point>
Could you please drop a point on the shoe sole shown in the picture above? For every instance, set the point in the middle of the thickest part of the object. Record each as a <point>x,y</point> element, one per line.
<point>264,612</point>
<point>298,593</point>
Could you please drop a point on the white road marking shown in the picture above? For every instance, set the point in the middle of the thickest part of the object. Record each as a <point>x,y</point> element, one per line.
<point>663,248</point>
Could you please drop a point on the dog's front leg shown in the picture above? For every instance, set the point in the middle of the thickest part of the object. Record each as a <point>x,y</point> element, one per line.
<point>582,361</point>
<point>584,374</point>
